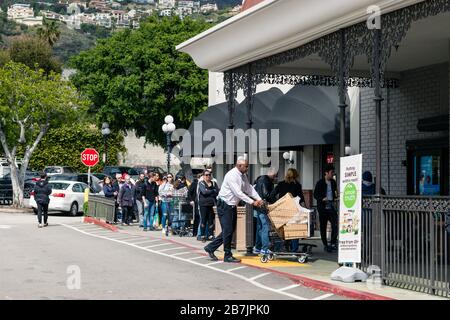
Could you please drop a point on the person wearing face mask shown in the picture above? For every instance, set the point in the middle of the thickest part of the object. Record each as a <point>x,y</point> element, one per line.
<point>126,200</point>
<point>235,187</point>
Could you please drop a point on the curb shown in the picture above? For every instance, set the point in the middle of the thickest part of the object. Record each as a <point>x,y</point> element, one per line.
<point>302,280</point>
<point>100,223</point>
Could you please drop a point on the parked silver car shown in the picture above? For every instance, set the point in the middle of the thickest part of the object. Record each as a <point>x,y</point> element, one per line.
<point>52,170</point>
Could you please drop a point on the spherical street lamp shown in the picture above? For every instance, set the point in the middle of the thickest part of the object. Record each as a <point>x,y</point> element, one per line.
<point>168,128</point>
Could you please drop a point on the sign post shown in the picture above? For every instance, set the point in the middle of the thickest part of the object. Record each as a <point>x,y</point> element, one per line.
<point>90,158</point>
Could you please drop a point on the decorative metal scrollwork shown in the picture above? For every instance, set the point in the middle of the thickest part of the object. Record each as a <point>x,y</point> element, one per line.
<point>351,42</point>
<point>416,204</point>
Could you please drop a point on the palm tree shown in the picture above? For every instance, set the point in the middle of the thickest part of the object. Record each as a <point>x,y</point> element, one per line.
<point>49,32</point>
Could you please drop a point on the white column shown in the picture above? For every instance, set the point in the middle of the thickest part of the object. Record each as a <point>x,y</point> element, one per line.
<point>307,169</point>
<point>353,93</point>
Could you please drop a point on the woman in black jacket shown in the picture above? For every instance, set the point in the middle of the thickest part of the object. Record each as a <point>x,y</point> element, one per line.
<point>208,192</point>
<point>42,192</point>
<point>292,186</point>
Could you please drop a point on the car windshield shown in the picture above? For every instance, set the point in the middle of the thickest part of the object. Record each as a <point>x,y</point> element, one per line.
<point>59,185</point>
<point>52,170</point>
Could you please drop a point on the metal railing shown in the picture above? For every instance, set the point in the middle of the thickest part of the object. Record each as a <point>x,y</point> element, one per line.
<point>102,208</point>
<point>413,241</point>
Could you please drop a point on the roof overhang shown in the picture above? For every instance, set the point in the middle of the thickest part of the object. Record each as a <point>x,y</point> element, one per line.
<point>274,26</point>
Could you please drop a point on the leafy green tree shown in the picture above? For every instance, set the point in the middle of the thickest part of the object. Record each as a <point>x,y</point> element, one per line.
<point>136,77</point>
<point>31,103</point>
<point>49,32</point>
<point>32,51</point>
<point>62,146</point>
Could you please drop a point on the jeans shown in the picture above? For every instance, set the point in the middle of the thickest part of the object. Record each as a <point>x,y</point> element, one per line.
<point>140,209</point>
<point>149,214</point>
<point>262,231</point>
<point>167,211</point>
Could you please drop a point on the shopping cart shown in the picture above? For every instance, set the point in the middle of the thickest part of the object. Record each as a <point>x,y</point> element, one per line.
<point>282,230</point>
<point>182,223</point>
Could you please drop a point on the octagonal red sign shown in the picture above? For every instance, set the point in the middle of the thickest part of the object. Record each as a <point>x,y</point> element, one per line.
<point>89,157</point>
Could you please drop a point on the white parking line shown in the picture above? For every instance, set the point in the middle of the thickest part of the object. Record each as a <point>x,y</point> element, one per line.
<point>259,276</point>
<point>289,287</point>
<point>158,245</point>
<point>149,241</point>
<point>323,296</point>
<point>195,258</point>
<point>181,253</point>
<point>238,268</point>
<point>190,260</point>
<point>217,262</point>
<point>164,250</point>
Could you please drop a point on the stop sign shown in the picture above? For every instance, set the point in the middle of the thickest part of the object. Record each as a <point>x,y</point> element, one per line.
<point>89,157</point>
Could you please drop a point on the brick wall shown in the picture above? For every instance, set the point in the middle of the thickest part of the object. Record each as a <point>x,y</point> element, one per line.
<point>420,95</point>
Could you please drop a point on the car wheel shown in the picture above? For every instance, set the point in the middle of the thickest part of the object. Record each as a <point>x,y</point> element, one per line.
<point>74,209</point>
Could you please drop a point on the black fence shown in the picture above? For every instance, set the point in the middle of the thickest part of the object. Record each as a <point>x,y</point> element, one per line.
<point>408,239</point>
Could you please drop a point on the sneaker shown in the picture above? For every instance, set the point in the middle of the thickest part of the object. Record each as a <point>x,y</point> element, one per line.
<point>163,230</point>
<point>256,251</point>
<point>40,225</point>
<point>266,252</point>
<point>145,229</point>
<point>45,224</point>
<point>334,247</point>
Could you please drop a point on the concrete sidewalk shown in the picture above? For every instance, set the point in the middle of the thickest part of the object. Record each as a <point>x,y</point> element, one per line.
<point>315,273</point>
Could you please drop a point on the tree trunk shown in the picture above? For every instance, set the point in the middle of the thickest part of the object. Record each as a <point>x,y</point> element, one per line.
<point>18,185</point>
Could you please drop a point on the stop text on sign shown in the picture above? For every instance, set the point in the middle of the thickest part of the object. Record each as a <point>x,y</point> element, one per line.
<point>89,157</point>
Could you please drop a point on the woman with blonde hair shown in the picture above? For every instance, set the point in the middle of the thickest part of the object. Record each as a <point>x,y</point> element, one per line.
<point>290,185</point>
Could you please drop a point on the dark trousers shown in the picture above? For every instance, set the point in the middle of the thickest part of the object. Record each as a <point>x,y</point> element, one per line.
<point>228,218</point>
<point>207,220</point>
<point>330,215</point>
<point>42,209</point>
<point>196,218</point>
<point>127,214</point>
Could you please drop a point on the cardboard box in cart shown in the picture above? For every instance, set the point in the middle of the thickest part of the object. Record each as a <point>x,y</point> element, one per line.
<point>284,215</point>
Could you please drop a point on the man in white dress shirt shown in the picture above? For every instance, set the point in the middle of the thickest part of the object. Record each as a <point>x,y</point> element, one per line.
<point>235,187</point>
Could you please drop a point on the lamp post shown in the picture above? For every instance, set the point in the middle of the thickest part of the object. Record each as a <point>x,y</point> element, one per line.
<point>168,128</point>
<point>106,132</point>
<point>288,156</point>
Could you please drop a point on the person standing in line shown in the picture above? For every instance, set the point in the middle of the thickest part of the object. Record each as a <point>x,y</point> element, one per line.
<point>126,200</point>
<point>292,186</point>
<point>208,191</point>
<point>235,187</point>
<point>264,185</point>
<point>116,189</point>
<point>193,198</point>
<point>42,192</point>
<point>150,199</point>
<point>325,193</point>
<point>139,189</point>
<point>159,181</point>
<point>165,192</point>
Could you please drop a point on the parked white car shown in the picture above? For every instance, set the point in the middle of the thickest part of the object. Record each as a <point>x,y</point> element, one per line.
<point>52,170</point>
<point>67,196</point>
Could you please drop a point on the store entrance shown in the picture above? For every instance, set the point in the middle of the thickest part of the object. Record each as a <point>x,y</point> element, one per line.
<point>428,167</point>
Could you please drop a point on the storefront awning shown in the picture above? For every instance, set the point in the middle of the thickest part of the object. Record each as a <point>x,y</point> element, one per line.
<point>305,115</point>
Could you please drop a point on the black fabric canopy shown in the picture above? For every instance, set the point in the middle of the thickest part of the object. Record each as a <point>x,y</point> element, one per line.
<point>305,115</point>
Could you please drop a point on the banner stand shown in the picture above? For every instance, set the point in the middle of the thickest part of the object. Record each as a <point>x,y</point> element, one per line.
<point>350,188</point>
